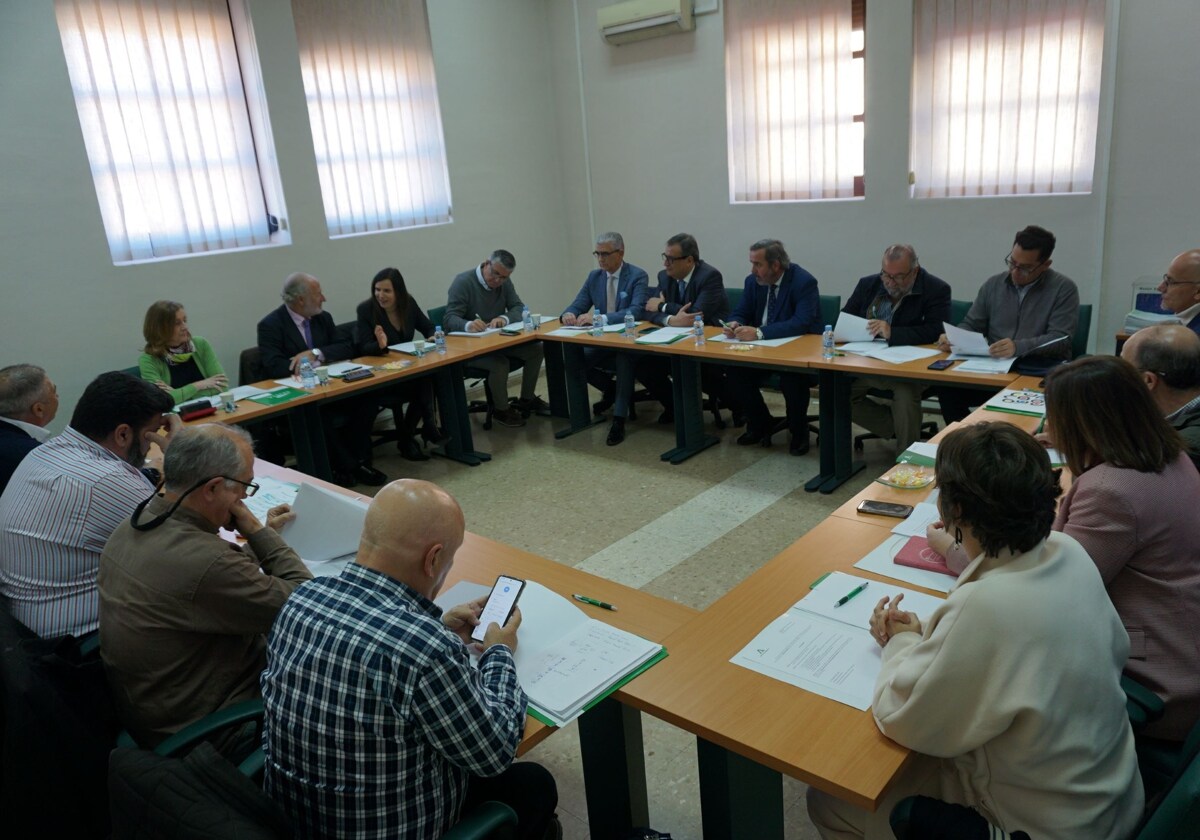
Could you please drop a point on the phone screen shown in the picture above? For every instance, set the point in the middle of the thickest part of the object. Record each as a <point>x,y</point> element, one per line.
<point>941,364</point>
<point>499,604</point>
<point>885,508</point>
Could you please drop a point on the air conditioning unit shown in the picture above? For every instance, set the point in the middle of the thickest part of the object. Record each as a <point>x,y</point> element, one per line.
<point>637,20</point>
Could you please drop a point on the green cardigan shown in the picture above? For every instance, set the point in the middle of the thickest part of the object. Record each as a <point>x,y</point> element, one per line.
<point>155,369</point>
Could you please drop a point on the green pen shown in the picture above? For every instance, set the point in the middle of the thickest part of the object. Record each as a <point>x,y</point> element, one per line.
<point>1041,425</point>
<point>851,593</point>
<point>586,600</point>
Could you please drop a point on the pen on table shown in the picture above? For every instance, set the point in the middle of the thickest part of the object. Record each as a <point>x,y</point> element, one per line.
<point>851,593</point>
<point>586,600</point>
<point>1041,425</point>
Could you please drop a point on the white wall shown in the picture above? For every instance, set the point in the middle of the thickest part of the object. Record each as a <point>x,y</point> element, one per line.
<point>67,307</point>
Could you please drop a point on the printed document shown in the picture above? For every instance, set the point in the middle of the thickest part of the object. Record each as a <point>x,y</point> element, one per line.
<point>326,529</point>
<point>851,328</point>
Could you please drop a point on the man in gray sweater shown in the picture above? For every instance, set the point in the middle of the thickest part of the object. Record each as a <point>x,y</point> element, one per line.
<point>484,298</point>
<point>1027,311</point>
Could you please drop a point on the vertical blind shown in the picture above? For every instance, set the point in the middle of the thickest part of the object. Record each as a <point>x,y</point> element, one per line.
<point>367,67</point>
<point>1006,96</point>
<point>792,90</point>
<point>164,117</point>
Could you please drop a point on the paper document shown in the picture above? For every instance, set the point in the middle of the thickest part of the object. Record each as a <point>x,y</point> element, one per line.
<point>981,364</point>
<point>620,326</point>
<point>882,561</point>
<point>921,453</point>
<point>851,328</point>
<point>766,342</point>
<point>342,368</point>
<point>964,342</point>
<point>666,335</point>
<point>326,529</point>
<point>826,649</point>
<point>571,331</point>
<point>245,392</point>
<point>924,514</point>
<point>488,331</point>
<point>893,355</point>
<point>271,492</point>
<point>1032,403</point>
<point>410,347</point>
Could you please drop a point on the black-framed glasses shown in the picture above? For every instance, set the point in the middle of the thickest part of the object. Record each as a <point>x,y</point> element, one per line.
<point>602,254</point>
<point>669,260</point>
<point>251,487</point>
<point>1013,265</point>
<point>1170,281</point>
<point>896,278</point>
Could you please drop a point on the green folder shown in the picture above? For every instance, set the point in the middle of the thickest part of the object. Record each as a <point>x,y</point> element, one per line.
<point>280,395</point>
<point>653,660</point>
<point>917,460</point>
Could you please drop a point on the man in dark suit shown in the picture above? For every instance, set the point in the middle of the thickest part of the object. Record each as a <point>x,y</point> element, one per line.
<point>28,402</point>
<point>687,287</point>
<point>299,330</point>
<point>615,288</point>
<point>780,299</point>
<point>1180,289</point>
<point>904,304</point>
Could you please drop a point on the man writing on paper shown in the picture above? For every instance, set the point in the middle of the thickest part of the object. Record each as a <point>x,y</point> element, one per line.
<point>1021,311</point>
<point>904,304</point>
<point>184,613</point>
<point>779,299</point>
<point>28,402</point>
<point>485,298</point>
<point>1180,288</point>
<point>687,287</point>
<point>377,724</point>
<point>615,288</point>
<point>1168,358</point>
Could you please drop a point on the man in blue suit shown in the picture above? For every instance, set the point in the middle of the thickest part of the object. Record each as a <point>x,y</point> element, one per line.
<point>615,288</point>
<point>780,299</point>
<point>28,402</point>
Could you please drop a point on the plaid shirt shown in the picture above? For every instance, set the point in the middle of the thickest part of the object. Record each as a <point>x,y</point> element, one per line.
<point>375,717</point>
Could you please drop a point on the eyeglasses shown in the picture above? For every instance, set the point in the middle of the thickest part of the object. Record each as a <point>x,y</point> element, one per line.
<point>495,272</point>
<point>251,488</point>
<point>896,278</point>
<point>603,254</point>
<point>1170,281</point>
<point>669,260</point>
<point>1022,269</point>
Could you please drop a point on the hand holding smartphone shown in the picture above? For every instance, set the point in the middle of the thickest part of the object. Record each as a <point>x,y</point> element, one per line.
<point>500,604</point>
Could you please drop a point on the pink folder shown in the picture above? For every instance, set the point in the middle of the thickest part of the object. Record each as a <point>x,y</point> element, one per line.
<point>917,554</point>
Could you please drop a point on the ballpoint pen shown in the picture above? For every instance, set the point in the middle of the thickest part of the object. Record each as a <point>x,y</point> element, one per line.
<point>851,593</point>
<point>586,600</point>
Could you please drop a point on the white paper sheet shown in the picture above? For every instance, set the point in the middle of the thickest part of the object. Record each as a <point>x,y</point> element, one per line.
<point>857,611</point>
<point>881,561</point>
<point>924,514</point>
<point>964,342</point>
<point>326,529</point>
<point>766,342</point>
<point>342,368</point>
<point>665,335</point>
<point>271,493</point>
<point>245,392</point>
<point>918,452</point>
<point>980,364</point>
<point>897,355</point>
<point>489,331</point>
<point>410,347</point>
<point>851,328</point>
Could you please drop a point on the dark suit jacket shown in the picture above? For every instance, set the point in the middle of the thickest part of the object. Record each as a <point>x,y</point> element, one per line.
<point>1194,325</point>
<point>364,328</point>
<point>279,341</point>
<point>15,444</point>
<point>705,292</point>
<point>797,305</point>
<point>918,317</point>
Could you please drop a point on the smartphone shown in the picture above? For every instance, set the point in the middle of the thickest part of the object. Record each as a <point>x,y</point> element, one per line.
<point>884,508</point>
<point>648,329</point>
<point>941,364</point>
<point>500,604</point>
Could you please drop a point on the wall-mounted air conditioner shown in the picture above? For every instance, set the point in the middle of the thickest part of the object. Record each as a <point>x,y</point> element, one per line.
<point>637,20</point>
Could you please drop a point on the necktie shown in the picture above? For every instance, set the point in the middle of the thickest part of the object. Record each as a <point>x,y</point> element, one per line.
<point>682,290</point>
<point>308,332</point>
<point>770,311</point>
<point>612,293</point>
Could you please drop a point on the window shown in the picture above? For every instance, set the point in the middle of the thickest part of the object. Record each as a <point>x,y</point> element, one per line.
<point>1005,96</point>
<point>794,98</point>
<point>167,126</point>
<point>368,75</point>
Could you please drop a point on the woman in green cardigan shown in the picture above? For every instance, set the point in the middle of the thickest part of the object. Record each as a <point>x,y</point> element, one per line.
<point>182,365</point>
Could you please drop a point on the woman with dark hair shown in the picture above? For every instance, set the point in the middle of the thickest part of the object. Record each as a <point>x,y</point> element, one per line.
<point>392,316</point>
<point>1133,507</point>
<point>1010,690</point>
<point>183,365</point>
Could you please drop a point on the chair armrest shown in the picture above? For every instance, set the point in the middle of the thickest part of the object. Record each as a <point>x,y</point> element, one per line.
<point>1136,694</point>
<point>238,713</point>
<point>489,819</point>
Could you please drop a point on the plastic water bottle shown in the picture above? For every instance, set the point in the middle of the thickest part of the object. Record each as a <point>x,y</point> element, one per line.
<point>827,343</point>
<point>308,376</point>
<point>439,339</point>
<point>597,323</point>
<point>526,319</point>
<point>630,324</point>
<point>698,330</point>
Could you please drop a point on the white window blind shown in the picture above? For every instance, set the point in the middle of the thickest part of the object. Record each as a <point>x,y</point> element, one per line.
<point>368,75</point>
<point>792,91</point>
<point>165,120</point>
<point>1005,96</point>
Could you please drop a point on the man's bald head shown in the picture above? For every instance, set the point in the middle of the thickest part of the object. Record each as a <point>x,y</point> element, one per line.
<point>1168,358</point>
<point>411,533</point>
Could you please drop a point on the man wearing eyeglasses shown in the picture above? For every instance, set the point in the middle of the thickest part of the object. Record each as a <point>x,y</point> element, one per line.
<point>1030,310</point>
<point>1180,288</point>
<point>1168,358</point>
<point>184,613</point>
<point>615,288</point>
<point>904,304</point>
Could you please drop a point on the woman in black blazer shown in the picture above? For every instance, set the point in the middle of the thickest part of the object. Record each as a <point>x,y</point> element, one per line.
<point>391,316</point>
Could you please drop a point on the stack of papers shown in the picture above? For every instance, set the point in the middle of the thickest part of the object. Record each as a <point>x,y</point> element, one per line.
<point>895,355</point>
<point>973,347</point>
<point>827,649</point>
<point>924,454</point>
<point>765,342</point>
<point>666,335</point>
<point>1031,403</point>
<point>340,369</point>
<point>326,529</point>
<point>480,334</point>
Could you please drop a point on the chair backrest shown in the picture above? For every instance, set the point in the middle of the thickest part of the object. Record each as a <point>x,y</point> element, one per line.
<point>437,314</point>
<point>249,369</point>
<point>1178,809</point>
<point>1082,330</point>
<point>959,310</point>
<point>831,305</point>
<point>135,371</point>
<point>735,297</point>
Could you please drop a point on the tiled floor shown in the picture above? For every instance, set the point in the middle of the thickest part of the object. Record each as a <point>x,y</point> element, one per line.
<point>688,532</point>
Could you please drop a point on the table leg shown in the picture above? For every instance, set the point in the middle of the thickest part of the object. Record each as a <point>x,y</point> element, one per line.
<point>308,439</point>
<point>689,411</point>
<point>452,401</point>
<point>556,378</point>
<point>574,375</point>
<point>738,797</point>
<point>614,769</point>
<point>836,452</point>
